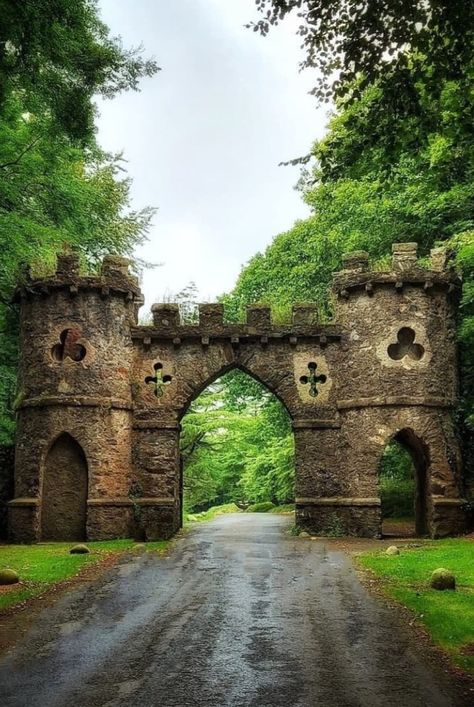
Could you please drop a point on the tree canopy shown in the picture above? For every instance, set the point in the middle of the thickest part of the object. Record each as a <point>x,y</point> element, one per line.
<point>354,44</point>
<point>237,445</point>
<point>58,55</point>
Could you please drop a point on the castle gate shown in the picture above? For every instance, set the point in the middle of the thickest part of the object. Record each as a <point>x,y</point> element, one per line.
<point>113,393</point>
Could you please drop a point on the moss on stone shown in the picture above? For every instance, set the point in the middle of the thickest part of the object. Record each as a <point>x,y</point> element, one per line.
<point>442,579</point>
<point>79,550</point>
<point>8,576</point>
<point>392,550</point>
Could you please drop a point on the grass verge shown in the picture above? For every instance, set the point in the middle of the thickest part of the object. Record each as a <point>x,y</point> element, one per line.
<point>263,507</point>
<point>449,615</point>
<point>44,565</point>
<point>212,513</point>
<point>286,508</point>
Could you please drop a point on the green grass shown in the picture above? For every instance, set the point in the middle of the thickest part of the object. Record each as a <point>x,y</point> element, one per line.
<point>448,615</point>
<point>261,507</point>
<point>45,564</point>
<point>212,513</point>
<point>285,508</point>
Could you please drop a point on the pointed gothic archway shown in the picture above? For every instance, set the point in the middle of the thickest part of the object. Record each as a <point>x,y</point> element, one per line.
<point>64,491</point>
<point>408,484</point>
<point>236,444</point>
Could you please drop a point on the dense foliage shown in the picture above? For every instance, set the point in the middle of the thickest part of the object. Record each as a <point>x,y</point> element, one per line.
<point>57,187</point>
<point>397,482</point>
<point>57,56</point>
<point>236,445</point>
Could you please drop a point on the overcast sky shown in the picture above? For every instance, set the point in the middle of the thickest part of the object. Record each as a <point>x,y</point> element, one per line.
<point>204,136</point>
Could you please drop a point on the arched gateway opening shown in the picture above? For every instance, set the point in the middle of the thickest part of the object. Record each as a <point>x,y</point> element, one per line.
<point>403,486</point>
<point>237,448</point>
<point>64,491</point>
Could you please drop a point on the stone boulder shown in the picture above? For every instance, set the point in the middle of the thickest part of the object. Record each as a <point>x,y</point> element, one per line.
<point>79,550</point>
<point>392,550</point>
<point>8,576</point>
<point>442,579</point>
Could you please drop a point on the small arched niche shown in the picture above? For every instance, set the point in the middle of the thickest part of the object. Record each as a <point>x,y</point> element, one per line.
<point>403,486</point>
<point>64,491</point>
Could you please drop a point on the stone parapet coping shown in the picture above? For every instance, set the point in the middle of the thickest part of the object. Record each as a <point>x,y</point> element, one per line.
<point>237,333</point>
<point>125,501</point>
<point>345,281</point>
<point>394,400</point>
<point>315,423</point>
<point>76,401</point>
<point>104,286</point>
<point>24,502</point>
<point>338,501</point>
<point>441,501</point>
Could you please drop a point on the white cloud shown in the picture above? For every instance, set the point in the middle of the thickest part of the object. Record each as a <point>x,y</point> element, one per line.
<point>204,136</point>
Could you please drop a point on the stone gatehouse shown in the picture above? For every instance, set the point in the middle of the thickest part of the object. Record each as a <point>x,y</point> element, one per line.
<point>101,397</point>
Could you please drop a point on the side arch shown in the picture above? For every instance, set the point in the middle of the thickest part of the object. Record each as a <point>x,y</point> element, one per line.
<point>420,456</point>
<point>64,490</point>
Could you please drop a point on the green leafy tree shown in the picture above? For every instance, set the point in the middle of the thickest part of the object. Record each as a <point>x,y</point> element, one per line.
<point>236,445</point>
<point>57,56</point>
<point>354,44</point>
<point>57,187</point>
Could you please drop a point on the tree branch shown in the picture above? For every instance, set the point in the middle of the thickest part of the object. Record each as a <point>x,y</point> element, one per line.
<point>22,153</point>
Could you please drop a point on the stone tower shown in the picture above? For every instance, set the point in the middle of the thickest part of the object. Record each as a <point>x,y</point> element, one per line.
<point>397,379</point>
<point>74,405</point>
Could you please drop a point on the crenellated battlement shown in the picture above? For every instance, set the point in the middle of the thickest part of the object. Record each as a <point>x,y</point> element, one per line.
<point>405,270</point>
<point>259,325</point>
<point>114,278</point>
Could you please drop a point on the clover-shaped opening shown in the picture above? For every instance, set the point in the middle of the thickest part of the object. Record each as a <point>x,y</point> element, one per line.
<point>159,380</point>
<point>68,346</point>
<point>313,379</point>
<point>405,346</point>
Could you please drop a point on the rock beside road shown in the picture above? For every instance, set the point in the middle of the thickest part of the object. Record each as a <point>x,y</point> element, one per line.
<point>442,579</point>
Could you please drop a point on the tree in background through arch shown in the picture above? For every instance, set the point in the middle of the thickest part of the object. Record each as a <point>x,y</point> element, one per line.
<point>237,446</point>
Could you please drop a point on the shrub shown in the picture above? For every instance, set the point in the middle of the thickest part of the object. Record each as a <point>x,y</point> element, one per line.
<point>262,507</point>
<point>397,497</point>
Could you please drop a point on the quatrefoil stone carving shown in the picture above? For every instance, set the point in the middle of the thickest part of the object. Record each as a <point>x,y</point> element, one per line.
<point>406,346</point>
<point>69,346</point>
<point>159,380</point>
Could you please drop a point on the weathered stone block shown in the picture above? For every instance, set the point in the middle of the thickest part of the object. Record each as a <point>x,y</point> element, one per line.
<point>259,317</point>
<point>211,315</point>
<point>404,256</point>
<point>165,315</point>
<point>357,261</point>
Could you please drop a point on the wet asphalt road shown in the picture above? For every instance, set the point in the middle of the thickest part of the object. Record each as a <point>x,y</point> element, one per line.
<point>239,614</point>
